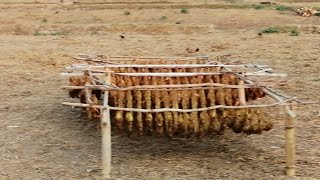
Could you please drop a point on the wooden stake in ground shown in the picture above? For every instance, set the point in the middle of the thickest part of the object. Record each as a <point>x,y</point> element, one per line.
<point>290,142</point>
<point>106,133</point>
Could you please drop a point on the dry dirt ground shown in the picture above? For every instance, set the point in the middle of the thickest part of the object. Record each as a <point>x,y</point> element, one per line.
<point>40,139</point>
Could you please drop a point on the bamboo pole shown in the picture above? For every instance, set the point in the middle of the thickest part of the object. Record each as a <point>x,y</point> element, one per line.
<point>242,94</point>
<point>77,74</point>
<point>161,74</point>
<point>195,74</point>
<point>142,89</point>
<point>282,95</point>
<point>172,66</point>
<point>97,71</point>
<point>94,70</point>
<point>290,142</point>
<point>87,94</point>
<point>107,87</point>
<point>283,103</point>
<point>93,79</point>
<point>106,133</point>
<point>133,58</point>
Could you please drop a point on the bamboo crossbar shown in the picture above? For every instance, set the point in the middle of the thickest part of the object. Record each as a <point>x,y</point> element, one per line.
<point>168,74</point>
<point>134,58</point>
<point>265,74</point>
<point>281,95</point>
<point>164,74</point>
<point>194,74</point>
<point>157,87</point>
<point>79,74</point>
<point>172,74</point>
<point>169,66</point>
<point>282,103</point>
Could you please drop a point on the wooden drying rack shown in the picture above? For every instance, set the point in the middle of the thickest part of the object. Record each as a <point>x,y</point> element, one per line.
<point>101,65</point>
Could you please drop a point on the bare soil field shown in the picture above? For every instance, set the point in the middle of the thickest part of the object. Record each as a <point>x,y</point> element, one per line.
<point>41,139</point>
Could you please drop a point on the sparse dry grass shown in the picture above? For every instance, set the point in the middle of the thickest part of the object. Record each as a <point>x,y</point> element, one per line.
<point>52,142</point>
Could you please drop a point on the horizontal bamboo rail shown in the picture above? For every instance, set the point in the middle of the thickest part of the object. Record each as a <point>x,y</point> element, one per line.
<point>172,74</point>
<point>175,74</point>
<point>282,103</point>
<point>194,74</point>
<point>169,66</point>
<point>157,87</point>
<point>134,58</point>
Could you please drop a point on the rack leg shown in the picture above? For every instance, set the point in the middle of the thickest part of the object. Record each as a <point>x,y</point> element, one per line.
<point>290,142</point>
<point>106,135</point>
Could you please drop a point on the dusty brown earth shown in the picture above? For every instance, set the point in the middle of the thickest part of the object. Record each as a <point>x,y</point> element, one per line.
<point>40,139</point>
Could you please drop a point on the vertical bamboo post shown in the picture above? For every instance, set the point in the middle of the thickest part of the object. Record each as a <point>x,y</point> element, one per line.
<point>106,133</point>
<point>290,142</point>
<point>242,94</point>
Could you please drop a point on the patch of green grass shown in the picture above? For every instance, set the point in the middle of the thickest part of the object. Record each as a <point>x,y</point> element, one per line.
<point>233,1</point>
<point>258,6</point>
<point>270,30</point>
<point>38,33</point>
<point>58,33</point>
<point>294,32</point>
<point>127,13</point>
<point>283,8</point>
<point>163,18</point>
<point>184,11</point>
